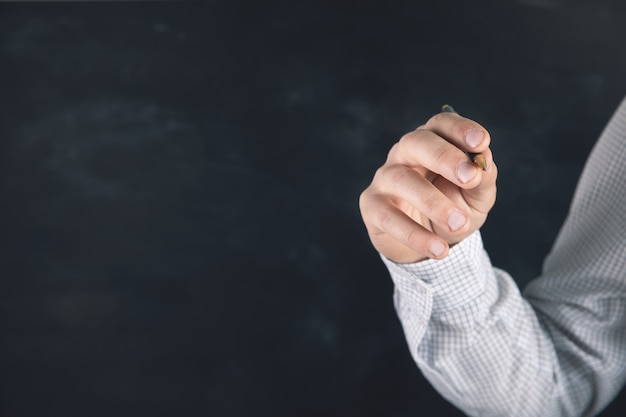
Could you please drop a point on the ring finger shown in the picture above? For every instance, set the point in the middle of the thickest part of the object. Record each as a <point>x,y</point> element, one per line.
<point>413,193</point>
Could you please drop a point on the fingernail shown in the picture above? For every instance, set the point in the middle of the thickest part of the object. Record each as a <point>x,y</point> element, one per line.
<point>436,248</point>
<point>456,220</point>
<point>466,171</point>
<point>473,138</point>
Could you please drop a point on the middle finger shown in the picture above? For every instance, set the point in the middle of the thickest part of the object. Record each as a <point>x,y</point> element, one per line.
<point>424,148</point>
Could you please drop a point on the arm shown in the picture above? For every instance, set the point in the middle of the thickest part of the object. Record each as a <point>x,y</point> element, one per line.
<point>473,336</point>
<point>559,351</point>
<point>580,298</point>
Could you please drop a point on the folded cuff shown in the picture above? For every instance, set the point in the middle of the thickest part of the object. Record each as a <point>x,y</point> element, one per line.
<point>453,281</point>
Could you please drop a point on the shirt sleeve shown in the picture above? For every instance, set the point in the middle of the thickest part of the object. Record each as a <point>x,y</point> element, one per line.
<point>557,350</point>
<point>472,335</point>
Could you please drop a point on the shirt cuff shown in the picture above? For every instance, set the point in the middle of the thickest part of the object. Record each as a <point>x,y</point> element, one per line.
<point>453,281</point>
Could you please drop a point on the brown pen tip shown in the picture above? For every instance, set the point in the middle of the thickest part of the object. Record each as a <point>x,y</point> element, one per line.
<point>479,160</point>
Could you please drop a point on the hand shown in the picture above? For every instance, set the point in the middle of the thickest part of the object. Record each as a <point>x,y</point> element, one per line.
<point>429,195</point>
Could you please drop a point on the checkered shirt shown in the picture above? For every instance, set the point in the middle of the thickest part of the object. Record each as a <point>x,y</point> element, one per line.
<point>558,348</point>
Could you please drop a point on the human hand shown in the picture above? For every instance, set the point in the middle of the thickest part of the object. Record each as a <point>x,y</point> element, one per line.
<point>429,195</point>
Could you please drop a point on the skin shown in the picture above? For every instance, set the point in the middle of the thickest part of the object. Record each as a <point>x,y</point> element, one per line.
<point>429,195</point>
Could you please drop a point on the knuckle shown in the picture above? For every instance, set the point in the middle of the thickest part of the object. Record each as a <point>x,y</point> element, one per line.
<point>393,179</point>
<point>393,151</point>
<point>434,120</point>
<point>363,200</point>
<point>371,211</point>
<point>443,154</point>
<point>397,174</point>
<point>404,143</point>
<point>379,176</point>
<point>367,203</point>
<point>378,173</point>
<point>495,170</point>
<point>409,139</point>
<point>413,239</point>
<point>462,126</point>
<point>384,219</point>
<point>430,203</point>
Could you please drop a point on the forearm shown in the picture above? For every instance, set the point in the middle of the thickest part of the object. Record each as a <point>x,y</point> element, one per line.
<point>581,296</point>
<point>473,336</point>
<point>561,350</point>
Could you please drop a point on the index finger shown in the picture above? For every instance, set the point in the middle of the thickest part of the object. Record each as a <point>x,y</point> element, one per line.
<point>464,133</point>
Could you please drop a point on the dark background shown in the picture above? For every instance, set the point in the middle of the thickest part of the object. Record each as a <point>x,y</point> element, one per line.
<point>179,181</point>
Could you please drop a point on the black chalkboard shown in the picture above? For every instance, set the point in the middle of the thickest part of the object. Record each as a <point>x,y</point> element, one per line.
<point>180,230</point>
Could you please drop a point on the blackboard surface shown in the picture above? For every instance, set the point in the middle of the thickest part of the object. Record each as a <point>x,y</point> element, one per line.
<point>180,232</point>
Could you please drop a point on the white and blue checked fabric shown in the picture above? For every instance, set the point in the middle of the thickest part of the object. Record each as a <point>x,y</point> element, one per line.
<point>558,348</point>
